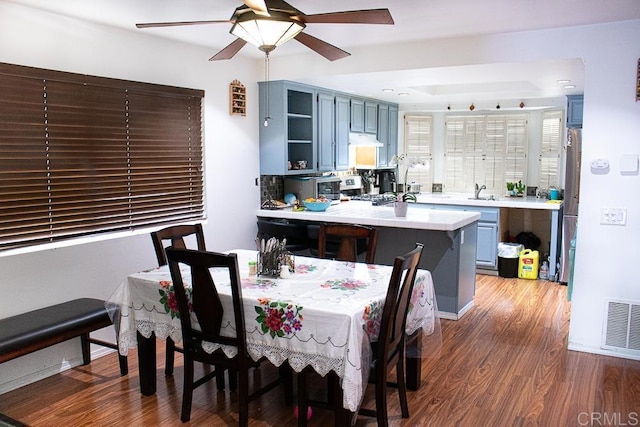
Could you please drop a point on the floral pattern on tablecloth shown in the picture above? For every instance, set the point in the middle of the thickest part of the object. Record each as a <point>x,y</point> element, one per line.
<point>257,283</point>
<point>305,268</point>
<point>168,298</point>
<point>418,292</point>
<point>344,284</point>
<point>372,316</point>
<point>278,318</point>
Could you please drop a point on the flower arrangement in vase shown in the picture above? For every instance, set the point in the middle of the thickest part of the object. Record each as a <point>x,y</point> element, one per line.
<point>411,161</point>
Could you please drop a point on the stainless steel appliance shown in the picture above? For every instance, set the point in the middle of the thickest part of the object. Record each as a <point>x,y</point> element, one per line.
<point>351,185</point>
<point>376,199</point>
<point>313,186</point>
<point>571,199</point>
<point>386,180</point>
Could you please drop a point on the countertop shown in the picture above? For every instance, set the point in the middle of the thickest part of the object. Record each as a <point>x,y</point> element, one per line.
<point>362,212</point>
<point>499,202</point>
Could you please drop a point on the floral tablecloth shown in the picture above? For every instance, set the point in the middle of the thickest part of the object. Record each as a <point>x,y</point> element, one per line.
<point>325,315</point>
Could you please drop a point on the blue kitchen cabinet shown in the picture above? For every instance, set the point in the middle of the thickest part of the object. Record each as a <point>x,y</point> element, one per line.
<point>343,111</point>
<point>333,131</point>
<point>290,110</point>
<point>357,115</point>
<point>574,111</point>
<point>326,131</point>
<point>371,117</point>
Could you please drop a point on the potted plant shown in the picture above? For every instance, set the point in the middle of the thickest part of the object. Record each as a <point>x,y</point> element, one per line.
<point>520,187</point>
<point>402,203</point>
<point>511,188</point>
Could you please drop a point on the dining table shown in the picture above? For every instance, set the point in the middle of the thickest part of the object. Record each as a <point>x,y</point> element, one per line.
<point>325,314</point>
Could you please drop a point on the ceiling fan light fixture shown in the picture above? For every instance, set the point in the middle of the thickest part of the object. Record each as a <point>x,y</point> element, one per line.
<point>266,32</point>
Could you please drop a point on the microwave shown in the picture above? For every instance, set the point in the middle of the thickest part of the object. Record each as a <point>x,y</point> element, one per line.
<point>313,186</point>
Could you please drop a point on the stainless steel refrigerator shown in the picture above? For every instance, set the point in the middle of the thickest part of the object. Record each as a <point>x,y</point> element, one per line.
<point>571,199</point>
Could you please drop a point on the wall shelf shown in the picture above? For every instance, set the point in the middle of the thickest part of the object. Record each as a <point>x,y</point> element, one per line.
<point>237,99</point>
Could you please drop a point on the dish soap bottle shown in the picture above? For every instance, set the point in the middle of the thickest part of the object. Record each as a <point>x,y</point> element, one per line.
<point>544,270</point>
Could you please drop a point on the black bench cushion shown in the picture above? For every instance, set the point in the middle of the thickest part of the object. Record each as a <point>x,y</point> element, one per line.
<point>62,321</point>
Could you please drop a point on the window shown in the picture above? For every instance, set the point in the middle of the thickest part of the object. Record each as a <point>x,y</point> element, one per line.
<point>550,147</point>
<point>81,155</point>
<point>418,143</point>
<point>487,150</point>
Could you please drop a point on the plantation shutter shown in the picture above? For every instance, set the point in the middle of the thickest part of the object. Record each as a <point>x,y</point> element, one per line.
<point>485,150</point>
<point>418,144</point>
<point>81,155</point>
<point>549,158</point>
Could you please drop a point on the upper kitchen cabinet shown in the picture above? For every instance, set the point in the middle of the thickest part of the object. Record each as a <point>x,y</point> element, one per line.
<point>574,111</point>
<point>288,143</point>
<point>371,117</point>
<point>342,133</point>
<point>387,133</point>
<point>357,115</point>
<point>333,131</point>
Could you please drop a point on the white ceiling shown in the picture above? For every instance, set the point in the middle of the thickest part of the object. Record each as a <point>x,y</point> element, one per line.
<point>414,20</point>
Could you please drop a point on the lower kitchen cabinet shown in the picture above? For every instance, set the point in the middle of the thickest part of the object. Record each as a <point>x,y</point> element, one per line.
<point>488,228</point>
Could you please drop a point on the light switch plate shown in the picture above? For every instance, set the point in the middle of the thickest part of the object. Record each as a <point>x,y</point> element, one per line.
<point>613,216</point>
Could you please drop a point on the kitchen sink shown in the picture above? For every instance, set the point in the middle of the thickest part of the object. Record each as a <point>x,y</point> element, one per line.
<point>483,198</point>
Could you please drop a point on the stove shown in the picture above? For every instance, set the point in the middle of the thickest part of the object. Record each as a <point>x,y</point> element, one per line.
<point>376,199</point>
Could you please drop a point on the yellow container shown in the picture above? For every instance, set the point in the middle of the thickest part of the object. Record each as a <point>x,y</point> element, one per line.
<point>528,264</point>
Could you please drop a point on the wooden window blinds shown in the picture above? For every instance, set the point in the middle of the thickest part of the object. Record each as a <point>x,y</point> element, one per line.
<point>81,155</point>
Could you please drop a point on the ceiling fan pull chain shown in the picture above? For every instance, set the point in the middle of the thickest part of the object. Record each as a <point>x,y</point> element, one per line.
<point>266,77</point>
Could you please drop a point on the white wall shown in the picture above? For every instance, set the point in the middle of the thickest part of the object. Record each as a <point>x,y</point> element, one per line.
<point>606,256</point>
<point>612,127</point>
<point>95,269</point>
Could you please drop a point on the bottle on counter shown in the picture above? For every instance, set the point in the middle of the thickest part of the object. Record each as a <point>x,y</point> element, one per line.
<point>544,271</point>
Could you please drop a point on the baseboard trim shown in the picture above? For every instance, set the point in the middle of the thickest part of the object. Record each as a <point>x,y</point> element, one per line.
<point>601,351</point>
<point>51,370</point>
<point>455,316</point>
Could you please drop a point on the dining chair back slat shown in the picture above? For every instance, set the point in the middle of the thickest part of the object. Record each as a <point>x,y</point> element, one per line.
<point>175,236</point>
<point>207,306</point>
<point>348,236</point>
<point>388,351</point>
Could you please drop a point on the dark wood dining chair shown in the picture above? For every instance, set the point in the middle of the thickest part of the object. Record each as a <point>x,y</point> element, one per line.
<point>175,236</point>
<point>206,305</point>
<point>349,238</point>
<point>296,234</point>
<point>387,352</point>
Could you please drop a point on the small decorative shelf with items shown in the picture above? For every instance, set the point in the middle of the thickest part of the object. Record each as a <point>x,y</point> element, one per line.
<point>238,99</point>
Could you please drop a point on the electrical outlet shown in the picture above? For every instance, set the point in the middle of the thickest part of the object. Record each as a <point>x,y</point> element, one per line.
<point>613,216</point>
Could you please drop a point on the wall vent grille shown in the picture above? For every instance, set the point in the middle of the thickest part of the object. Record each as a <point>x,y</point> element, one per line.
<point>622,329</point>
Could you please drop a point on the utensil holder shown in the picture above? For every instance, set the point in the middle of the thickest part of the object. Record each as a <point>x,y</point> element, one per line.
<point>269,262</point>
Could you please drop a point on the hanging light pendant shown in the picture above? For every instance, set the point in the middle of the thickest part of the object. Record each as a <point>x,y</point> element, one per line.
<point>266,32</point>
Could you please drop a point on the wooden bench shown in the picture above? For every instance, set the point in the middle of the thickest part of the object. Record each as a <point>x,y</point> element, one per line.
<point>27,332</point>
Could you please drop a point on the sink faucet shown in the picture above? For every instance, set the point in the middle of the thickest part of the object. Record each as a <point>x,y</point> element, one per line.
<point>479,189</point>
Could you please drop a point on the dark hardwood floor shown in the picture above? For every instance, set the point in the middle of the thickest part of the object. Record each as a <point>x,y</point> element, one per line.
<point>505,363</point>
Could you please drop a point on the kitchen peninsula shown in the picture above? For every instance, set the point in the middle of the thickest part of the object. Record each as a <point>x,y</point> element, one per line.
<point>449,237</point>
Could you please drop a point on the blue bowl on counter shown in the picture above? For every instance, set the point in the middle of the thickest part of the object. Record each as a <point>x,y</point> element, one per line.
<point>317,206</point>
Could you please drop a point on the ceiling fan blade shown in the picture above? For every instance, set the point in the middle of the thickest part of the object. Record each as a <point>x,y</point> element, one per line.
<point>325,49</point>
<point>259,7</point>
<point>229,51</point>
<point>178,24</point>
<point>370,16</point>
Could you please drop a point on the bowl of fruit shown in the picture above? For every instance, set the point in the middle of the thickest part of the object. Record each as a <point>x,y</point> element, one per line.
<point>316,205</point>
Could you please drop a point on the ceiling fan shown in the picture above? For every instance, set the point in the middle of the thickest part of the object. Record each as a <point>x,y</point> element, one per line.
<point>270,23</point>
